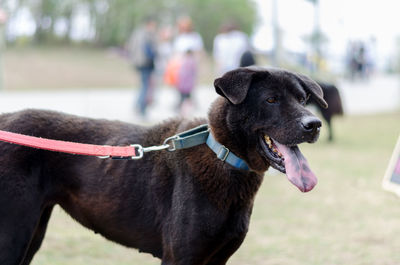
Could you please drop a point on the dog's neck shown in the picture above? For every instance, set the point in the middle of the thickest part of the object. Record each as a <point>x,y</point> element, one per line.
<point>219,125</point>
<point>231,138</point>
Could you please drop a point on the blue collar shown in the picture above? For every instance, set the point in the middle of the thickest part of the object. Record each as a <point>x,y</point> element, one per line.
<point>200,135</point>
<point>225,154</point>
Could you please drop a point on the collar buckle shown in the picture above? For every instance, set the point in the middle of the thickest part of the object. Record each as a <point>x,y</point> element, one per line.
<point>223,153</point>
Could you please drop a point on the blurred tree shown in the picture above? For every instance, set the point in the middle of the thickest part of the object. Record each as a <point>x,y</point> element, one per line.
<point>66,12</point>
<point>277,35</point>
<point>115,24</point>
<point>317,38</point>
<point>45,13</point>
<point>208,15</point>
<point>113,20</point>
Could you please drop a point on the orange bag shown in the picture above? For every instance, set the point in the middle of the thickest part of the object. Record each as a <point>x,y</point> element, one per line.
<point>172,71</point>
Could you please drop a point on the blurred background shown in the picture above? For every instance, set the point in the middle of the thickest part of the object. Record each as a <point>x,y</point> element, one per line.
<point>144,61</point>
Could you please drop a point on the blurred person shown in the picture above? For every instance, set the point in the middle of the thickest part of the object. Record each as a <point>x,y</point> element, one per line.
<point>350,62</point>
<point>360,58</point>
<point>186,80</point>
<point>370,56</point>
<point>357,60</point>
<point>164,49</point>
<point>142,48</point>
<point>230,45</point>
<point>187,47</point>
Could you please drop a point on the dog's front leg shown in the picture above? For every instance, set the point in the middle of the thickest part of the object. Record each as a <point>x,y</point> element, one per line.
<point>221,257</point>
<point>19,218</point>
<point>194,229</point>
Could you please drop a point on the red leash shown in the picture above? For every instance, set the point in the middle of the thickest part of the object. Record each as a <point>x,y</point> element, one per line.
<point>186,139</point>
<point>102,151</point>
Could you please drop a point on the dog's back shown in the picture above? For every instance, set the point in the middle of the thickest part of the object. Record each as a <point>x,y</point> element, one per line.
<point>332,97</point>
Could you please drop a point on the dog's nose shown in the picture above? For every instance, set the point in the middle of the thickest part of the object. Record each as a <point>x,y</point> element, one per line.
<point>310,123</point>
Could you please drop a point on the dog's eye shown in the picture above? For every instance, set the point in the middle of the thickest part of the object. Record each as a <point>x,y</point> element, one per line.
<point>303,100</point>
<point>272,100</point>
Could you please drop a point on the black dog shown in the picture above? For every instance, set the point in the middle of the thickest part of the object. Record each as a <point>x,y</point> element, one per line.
<point>185,207</point>
<point>332,97</point>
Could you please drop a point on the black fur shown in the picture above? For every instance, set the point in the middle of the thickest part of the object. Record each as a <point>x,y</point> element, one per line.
<point>184,207</point>
<point>332,97</point>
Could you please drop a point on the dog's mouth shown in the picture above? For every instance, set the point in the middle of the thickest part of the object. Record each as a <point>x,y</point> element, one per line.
<point>289,160</point>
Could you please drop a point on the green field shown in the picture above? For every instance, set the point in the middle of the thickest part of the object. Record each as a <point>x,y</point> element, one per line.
<point>53,68</point>
<point>65,68</point>
<point>346,220</point>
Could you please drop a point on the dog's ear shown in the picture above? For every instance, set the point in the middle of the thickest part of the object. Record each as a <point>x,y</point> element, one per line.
<point>314,89</point>
<point>234,85</point>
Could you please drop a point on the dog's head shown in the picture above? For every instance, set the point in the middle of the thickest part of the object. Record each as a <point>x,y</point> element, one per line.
<point>267,112</point>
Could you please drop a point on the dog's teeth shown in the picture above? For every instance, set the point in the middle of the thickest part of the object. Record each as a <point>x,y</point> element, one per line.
<point>268,140</point>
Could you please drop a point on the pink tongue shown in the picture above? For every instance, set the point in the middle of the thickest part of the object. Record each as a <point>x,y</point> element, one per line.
<point>297,169</point>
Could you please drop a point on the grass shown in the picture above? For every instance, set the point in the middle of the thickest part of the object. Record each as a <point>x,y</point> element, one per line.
<point>52,68</point>
<point>347,219</point>
<point>65,68</point>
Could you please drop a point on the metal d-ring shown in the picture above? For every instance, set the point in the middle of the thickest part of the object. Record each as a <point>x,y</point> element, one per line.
<point>170,142</point>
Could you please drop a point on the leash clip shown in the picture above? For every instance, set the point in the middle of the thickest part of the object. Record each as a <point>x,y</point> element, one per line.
<point>140,151</point>
<point>186,139</point>
<point>155,148</point>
